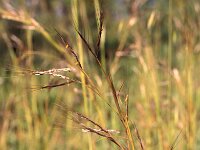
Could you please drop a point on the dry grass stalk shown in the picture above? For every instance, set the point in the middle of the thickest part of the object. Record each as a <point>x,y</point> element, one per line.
<point>20,17</point>
<point>101,18</point>
<point>86,124</point>
<point>122,117</point>
<point>138,136</point>
<point>30,23</point>
<point>68,47</point>
<point>100,131</point>
<point>174,144</point>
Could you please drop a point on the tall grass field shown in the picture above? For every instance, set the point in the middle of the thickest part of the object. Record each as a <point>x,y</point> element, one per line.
<point>99,74</point>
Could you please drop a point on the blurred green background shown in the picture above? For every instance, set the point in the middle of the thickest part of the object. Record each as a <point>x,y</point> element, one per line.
<point>151,47</point>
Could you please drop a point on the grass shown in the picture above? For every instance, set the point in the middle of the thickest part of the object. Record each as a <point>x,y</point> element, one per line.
<point>98,81</point>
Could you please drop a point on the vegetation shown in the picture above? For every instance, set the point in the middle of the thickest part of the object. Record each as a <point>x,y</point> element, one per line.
<point>93,74</point>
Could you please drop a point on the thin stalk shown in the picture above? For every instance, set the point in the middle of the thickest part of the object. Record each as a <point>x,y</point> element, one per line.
<point>170,30</point>
<point>111,85</point>
<point>81,58</point>
<point>169,52</point>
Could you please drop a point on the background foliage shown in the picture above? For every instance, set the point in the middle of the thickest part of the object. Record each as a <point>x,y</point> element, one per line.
<point>151,47</point>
